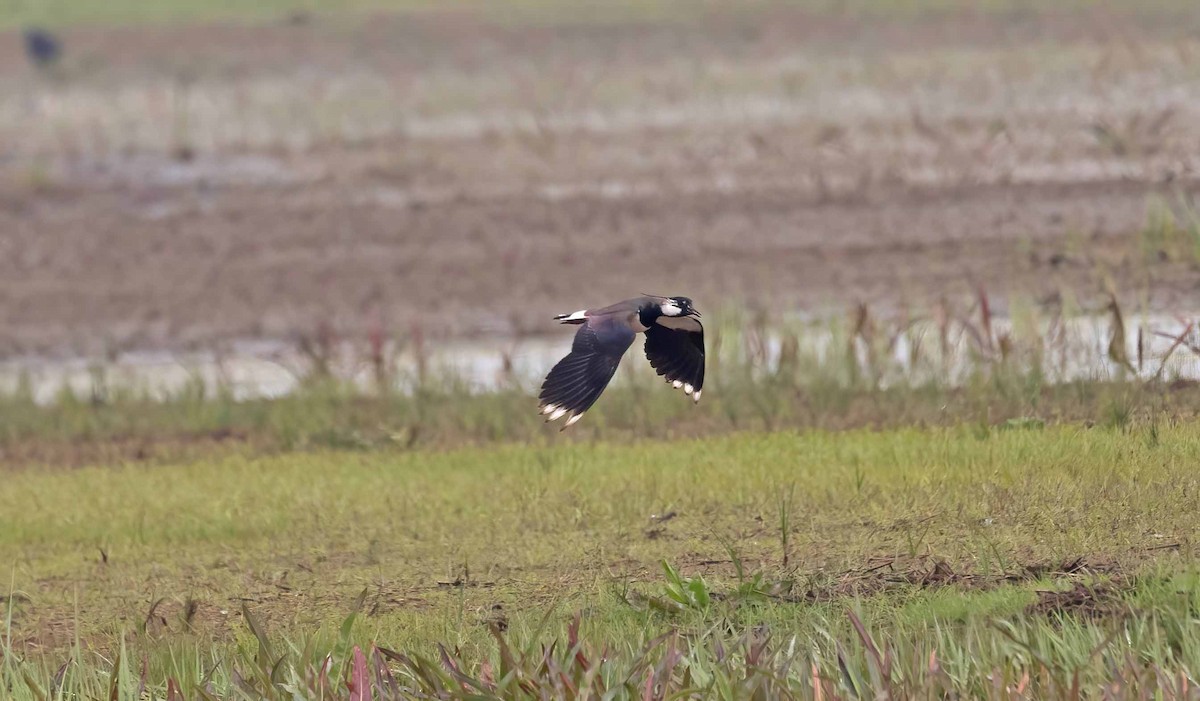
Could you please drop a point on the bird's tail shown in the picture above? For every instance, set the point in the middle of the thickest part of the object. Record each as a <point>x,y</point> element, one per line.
<point>573,318</point>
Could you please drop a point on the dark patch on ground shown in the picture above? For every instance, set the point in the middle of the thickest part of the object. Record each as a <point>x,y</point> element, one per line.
<point>1086,600</point>
<point>1092,586</point>
<point>890,573</point>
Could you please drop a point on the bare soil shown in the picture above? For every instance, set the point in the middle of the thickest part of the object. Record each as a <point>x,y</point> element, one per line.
<point>288,594</point>
<point>454,175</point>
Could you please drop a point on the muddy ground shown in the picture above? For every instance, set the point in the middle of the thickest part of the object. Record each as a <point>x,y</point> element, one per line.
<point>183,186</point>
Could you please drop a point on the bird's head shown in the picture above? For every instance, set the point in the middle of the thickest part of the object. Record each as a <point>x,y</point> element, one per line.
<point>678,306</point>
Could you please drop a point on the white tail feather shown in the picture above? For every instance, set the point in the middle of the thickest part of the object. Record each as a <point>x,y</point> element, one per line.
<point>573,316</point>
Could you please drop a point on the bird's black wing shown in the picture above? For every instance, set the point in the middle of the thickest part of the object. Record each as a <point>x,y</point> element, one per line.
<point>675,348</point>
<point>575,383</point>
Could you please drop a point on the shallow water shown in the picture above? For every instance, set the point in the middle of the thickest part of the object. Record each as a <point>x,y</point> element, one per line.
<point>1078,349</point>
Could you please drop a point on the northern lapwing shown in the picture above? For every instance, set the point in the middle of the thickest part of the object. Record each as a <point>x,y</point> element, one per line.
<point>674,346</point>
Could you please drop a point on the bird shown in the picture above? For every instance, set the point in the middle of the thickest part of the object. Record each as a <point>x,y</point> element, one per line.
<point>42,47</point>
<point>674,347</point>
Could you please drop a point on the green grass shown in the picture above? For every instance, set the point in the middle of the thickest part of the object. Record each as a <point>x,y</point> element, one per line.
<point>438,544</point>
<point>130,427</point>
<point>16,13</point>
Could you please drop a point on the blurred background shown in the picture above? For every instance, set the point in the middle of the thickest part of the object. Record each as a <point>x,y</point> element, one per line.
<point>245,180</point>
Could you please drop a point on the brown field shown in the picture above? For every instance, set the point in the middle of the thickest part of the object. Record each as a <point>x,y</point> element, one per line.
<point>177,186</point>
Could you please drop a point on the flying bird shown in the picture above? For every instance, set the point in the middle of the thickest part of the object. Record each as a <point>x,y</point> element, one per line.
<point>674,347</point>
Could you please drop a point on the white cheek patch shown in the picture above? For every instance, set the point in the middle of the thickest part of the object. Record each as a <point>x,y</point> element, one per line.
<point>670,309</point>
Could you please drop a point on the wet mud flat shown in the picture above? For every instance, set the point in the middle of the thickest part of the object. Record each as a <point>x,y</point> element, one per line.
<point>450,177</point>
